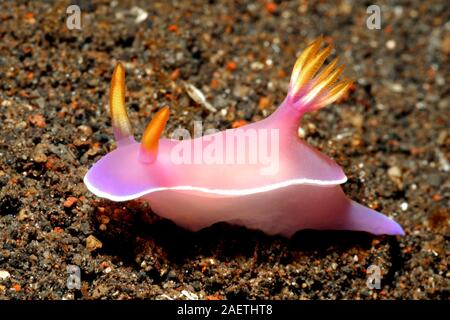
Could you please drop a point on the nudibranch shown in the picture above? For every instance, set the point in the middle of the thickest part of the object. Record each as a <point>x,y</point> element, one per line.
<point>224,176</point>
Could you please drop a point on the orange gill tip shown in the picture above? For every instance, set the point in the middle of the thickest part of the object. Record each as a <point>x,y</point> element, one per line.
<point>336,92</point>
<point>323,81</point>
<point>150,139</point>
<point>306,55</point>
<point>310,68</point>
<point>326,71</point>
<point>122,130</point>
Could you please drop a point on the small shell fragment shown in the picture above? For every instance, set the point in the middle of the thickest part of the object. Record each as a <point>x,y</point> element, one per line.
<point>198,97</point>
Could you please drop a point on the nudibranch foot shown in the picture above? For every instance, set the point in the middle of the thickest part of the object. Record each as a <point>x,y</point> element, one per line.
<point>297,207</point>
<point>261,176</point>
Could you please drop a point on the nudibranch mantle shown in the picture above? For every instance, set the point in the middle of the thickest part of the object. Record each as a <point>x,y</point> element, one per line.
<point>299,190</point>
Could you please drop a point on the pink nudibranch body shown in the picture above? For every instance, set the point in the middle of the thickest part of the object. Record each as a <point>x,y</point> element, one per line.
<point>302,192</point>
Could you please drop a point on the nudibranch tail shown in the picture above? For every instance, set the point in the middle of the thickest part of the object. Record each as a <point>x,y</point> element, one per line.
<point>308,91</point>
<point>360,218</point>
<point>150,139</point>
<point>122,129</point>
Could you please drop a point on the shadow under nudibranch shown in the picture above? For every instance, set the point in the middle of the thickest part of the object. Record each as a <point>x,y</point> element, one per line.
<point>135,226</point>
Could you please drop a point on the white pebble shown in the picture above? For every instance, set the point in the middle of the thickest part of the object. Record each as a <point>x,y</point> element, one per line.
<point>404,206</point>
<point>257,65</point>
<point>391,44</point>
<point>140,14</point>
<point>301,133</point>
<point>223,112</point>
<point>4,274</point>
<point>189,295</point>
<point>198,97</point>
<point>394,172</point>
<point>397,87</point>
<point>398,10</point>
